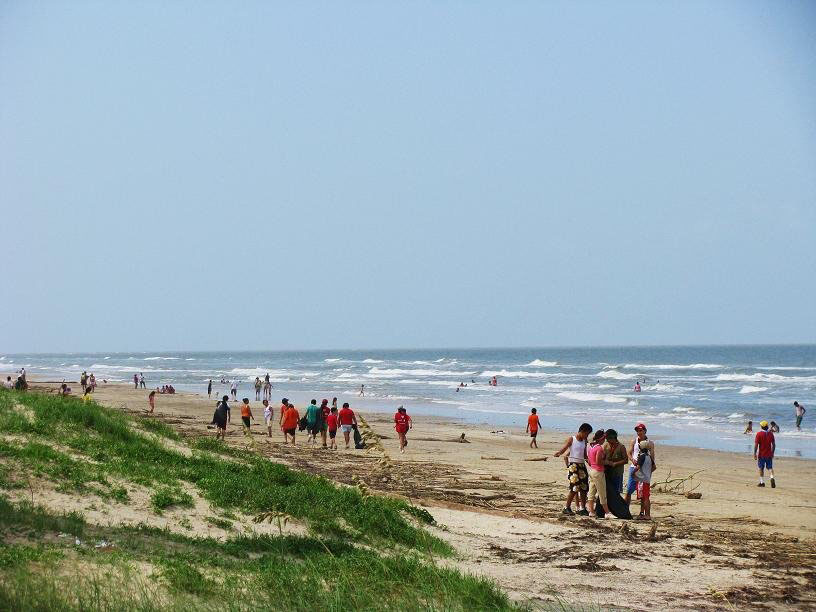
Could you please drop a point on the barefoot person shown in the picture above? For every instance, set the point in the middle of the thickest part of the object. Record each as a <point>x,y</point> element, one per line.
<point>268,415</point>
<point>596,458</point>
<point>642,453</point>
<point>347,421</point>
<point>221,417</point>
<point>575,460</point>
<point>151,399</point>
<point>283,407</point>
<point>290,423</point>
<point>764,448</point>
<point>332,422</point>
<point>533,425</point>
<point>799,410</point>
<point>402,423</point>
<point>325,411</point>
<point>246,414</point>
<point>209,388</point>
<point>313,418</point>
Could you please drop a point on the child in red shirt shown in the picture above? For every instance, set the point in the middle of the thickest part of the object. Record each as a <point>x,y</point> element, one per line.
<point>533,425</point>
<point>331,422</point>
<point>764,448</point>
<point>402,423</point>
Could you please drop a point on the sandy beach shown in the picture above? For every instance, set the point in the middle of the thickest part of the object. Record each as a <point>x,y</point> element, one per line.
<point>498,502</point>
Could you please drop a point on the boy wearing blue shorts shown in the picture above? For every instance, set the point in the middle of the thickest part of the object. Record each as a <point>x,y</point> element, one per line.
<point>764,448</point>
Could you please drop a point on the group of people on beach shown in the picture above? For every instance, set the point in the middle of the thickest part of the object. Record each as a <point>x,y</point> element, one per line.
<point>595,469</point>
<point>323,420</point>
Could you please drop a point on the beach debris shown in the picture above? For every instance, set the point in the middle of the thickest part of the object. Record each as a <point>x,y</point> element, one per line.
<point>627,532</point>
<point>488,458</point>
<point>104,545</point>
<point>498,431</point>
<point>462,439</point>
<point>650,537</point>
<point>536,458</point>
<point>693,495</point>
<point>78,542</point>
<point>677,486</point>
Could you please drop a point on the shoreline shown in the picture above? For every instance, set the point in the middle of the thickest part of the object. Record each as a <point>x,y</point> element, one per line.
<point>375,406</point>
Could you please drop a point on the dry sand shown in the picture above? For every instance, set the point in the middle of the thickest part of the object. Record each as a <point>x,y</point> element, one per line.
<point>738,546</point>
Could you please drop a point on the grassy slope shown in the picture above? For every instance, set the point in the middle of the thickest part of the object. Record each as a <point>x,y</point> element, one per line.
<point>361,552</point>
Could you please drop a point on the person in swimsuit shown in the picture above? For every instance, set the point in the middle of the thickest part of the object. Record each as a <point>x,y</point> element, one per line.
<point>575,460</point>
<point>151,399</point>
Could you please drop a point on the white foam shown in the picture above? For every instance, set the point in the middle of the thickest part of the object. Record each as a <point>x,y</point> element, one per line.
<point>518,374</point>
<point>763,378</point>
<point>593,397</point>
<point>540,363</point>
<point>333,359</point>
<point>385,372</point>
<point>752,389</point>
<point>735,415</point>
<point>684,409</point>
<point>673,366</point>
<point>616,375</point>
<point>373,361</point>
<point>162,358</point>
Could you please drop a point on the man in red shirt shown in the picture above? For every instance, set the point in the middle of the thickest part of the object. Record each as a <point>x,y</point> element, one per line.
<point>533,425</point>
<point>764,447</point>
<point>402,423</point>
<point>347,419</point>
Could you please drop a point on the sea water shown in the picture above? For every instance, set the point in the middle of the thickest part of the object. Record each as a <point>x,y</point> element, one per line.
<point>699,396</point>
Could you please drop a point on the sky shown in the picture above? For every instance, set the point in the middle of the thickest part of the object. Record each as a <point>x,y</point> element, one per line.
<point>272,176</point>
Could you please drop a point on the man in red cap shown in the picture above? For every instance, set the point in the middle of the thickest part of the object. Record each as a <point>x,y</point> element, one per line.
<point>640,472</point>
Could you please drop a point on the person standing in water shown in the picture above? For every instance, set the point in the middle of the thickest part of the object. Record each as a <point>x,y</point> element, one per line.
<point>764,448</point>
<point>362,387</point>
<point>799,410</point>
<point>209,388</point>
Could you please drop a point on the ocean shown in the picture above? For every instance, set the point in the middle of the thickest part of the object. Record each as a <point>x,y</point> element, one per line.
<point>701,396</point>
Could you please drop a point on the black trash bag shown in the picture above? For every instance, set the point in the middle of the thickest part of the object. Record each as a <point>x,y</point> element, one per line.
<point>358,439</point>
<point>617,505</point>
<point>302,424</point>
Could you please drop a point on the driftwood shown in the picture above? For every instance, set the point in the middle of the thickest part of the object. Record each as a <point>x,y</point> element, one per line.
<point>678,486</point>
<point>495,458</point>
<point>536,458</point>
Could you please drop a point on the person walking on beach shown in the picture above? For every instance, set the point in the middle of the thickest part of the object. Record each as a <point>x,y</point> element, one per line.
<point>347,421</point>
<point>234,390</point>
<point>325,411</point>
<point>616,459</point>
<point>221,417</point>
<point>361,389</point>
<point>402,423</point>
<point>141,380</point>
<point>283,407</point>
<point>332,423</point>
<point>533,424</point>
<point>764,449</point>
<point>83,381</point>
<point>313,417</point>
<point>258,386</point>
<point>290,423</point>
<point>575,461</point>
<point>799,410</point>
<point>209,388</point>
<point>135,381</point>
<point>246,415</point>
<point>268,415</point>
<point>151,399</point>
<point>643,464</point>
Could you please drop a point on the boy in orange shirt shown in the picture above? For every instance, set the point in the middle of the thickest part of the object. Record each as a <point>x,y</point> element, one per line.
<point>533,425</point>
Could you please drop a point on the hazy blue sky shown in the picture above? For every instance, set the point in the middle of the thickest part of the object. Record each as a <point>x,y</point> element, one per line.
<point>205,175</point>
